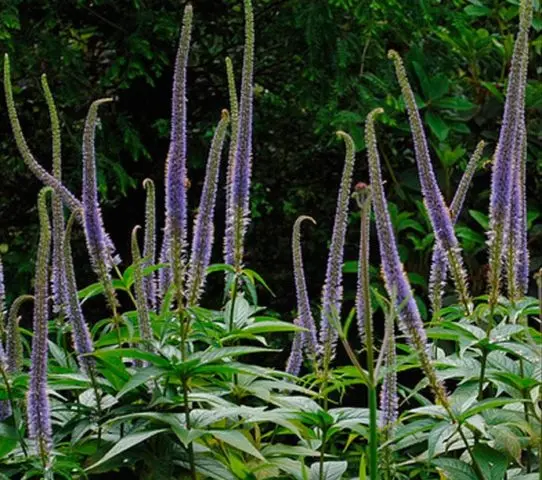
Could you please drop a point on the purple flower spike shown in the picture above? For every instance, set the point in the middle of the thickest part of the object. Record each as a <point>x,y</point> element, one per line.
<point>5,408</point>
<point>164,274</point>
<point>304,313</point>
<point>67,197</point>
<point>439,263</point>
<point>39,414</point>
<point>82,340</point>
<point>149,247</point>
<point>503,167</point>
<point>176,176</point>
<point>238,217</point>
<point>389,405</point>
<point>396,281</point>
<point>202,241</point>
<point>295,360</point>
<point>439,214</point>
<point>2,300</point>
<point>58,276</point>
<point>332,291</point>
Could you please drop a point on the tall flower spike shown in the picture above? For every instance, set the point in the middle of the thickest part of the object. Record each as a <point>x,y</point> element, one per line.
<point>388,394</point>
<point>304,313</point>
<point>164,274</point>
<point>395,278</point>
<point>202,241</point>
<point>58,274</point>
<point>503,166</point>
<point>144,322</point>
<point>175,231</point>
<point>82,340</point>
<point>14,344</point>
<point>363,296</point>
<point>39,414</point>
<point>439,214</point>
<point>67,197</point>
<point>234,109</point>
<point>238,217</point>
<point>439,263</point>
<point>100,247</point>
<point>2,301</point>
<point>332,291</point>
<point>295,360</point>
<point>5,407</point>
<point>149,247</point>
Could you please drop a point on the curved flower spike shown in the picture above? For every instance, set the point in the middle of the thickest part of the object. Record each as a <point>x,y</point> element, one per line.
<point>295,360</point>
<point>67,197</point>
<point>238,217</point>
<point>439,263</point>
<point>503,166</point>
<point>58,275</point>
<point>434,202</point>
<point>14,344</point>
<point>145,329</point>
<point>332,291</point>
<point>82,340</point>
<point>202,241</point>
<point>304,313</point>
<point>395,278</point>
<point>176,201</point>
<point>149,247</point>
<point>100,247</point>
<point>39,414</point>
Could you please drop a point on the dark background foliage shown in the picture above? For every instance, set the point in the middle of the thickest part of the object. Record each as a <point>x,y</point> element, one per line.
<point>320,67</point>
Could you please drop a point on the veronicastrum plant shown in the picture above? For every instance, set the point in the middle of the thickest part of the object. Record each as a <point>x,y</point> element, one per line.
<point>165,388</point>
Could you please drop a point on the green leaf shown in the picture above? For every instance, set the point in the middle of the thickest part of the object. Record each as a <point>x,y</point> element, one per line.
<point>140,378</point>
<point>331,470</point>
<point>272,326</point>
<point>236,439</point>
<point>438,86</point>
<point>455,469</point>
<point>131,353</point>
<point>487,404</point>
<point>477,11</point>
<point>482,219</point>
<point>125,443</point>
<point>492,463</point>
<point>458,104</point>
<point>437,125</point>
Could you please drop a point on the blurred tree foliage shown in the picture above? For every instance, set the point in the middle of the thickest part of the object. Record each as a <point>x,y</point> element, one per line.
<point>321,66</point>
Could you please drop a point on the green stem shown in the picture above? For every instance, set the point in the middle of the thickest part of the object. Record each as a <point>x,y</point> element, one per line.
<point>11,401</point>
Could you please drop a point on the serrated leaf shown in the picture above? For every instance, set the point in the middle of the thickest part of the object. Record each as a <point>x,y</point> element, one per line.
<point>236,439</point>
<point>331,470</point>
<point>455,469</point>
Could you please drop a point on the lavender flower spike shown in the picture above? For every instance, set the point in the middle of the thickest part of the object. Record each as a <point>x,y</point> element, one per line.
<point>388,394</point>
<point>176,215</point>
<point>332,291</point>
<point>145,329</point>
<point>202,241</point>
<point>237,218</point>
<point>82,340</point>
<point>395,278</point>
<point>304,313</point>
<point>67,197</point>
<point>100,247</point>
<point>58,280</point>
<point>434,202</point>
<point>5,407</point>
<point>503,167</point>
<point>2,301</point>
<point>39,415</point>
<point>295,360</point>
<point>149,246</point>
<point>439,264</point>
<point>14,344</point>
<point>234,113</point>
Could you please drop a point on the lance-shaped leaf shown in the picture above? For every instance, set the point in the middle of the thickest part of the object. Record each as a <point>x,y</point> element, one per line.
<point>502,175</point>
<point>149,246</point>
<point>395,278</point>
<point>202,241</point>
<point>437,210</point>
<point>332,291</point>
<point>58,274</point>
<point>439,263</point>
<point>67,197</point>
<point>82,340</point>
<point>238,216</point>
<point>176,176</point>
<point>39,414</point>
<point>304,313</point>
